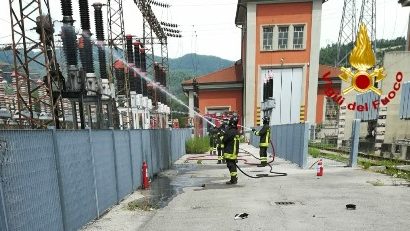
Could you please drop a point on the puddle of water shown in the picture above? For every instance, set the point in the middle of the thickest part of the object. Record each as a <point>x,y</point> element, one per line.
<point>218,186</point>
<point>164,188</point>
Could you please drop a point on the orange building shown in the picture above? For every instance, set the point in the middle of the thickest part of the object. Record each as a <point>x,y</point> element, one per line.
<point>280,46</point>
<point>217,92</point>
<point>327,110</point>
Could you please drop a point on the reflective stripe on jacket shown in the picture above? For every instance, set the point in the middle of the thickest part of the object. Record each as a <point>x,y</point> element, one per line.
<point>231,143</point>
<point>264,133</point>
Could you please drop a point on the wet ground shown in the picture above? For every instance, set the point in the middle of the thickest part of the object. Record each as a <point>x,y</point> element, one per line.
<point>168,184</point>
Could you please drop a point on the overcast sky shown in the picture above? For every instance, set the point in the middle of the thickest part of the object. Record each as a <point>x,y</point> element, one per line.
<point>208,25</point>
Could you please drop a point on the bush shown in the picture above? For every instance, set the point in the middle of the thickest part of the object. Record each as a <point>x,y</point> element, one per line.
<point>197,145</point>
<point>314,152</point>
<point>365,164</point>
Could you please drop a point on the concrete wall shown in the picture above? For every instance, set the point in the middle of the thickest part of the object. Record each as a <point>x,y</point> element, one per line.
<point>191,104</point>
<point>394,127</point>
<point>314,60</point>
<point>349,115</point>
<point>249,88</point>
<point>393,63</point>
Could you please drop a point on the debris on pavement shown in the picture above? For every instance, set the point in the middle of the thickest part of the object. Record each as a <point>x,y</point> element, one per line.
<point>241,216</point>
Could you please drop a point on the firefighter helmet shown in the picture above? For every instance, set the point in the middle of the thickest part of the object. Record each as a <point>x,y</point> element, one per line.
<point>233,121</point>
<point>266,120</point>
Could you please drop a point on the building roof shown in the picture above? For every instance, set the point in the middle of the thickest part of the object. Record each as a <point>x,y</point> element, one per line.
<point>334,71</point>
<point>241,9</point>
<point>231,74</point>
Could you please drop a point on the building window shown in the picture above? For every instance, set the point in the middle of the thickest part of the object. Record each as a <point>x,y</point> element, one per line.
<point>332,110</point>
<point>267,37</point>
<point>283,37</point>
<point>298,37</point>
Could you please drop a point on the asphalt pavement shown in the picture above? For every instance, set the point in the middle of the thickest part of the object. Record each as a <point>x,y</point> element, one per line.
<point>298,201</point>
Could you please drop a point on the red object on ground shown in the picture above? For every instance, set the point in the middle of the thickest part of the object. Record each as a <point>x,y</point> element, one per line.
<point>145,179</point>
<point>319,168</point>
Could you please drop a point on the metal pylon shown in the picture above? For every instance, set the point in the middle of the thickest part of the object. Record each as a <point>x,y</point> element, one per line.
<point>368,18</point>
<point>33,44</point>
<point>116,42</point>
<point>116,38</point>
<point>164,54</point>
<point>148,41</point>
<point>347,33</point>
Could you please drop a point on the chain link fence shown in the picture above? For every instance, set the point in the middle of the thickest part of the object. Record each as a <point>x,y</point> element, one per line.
<point>62,179</point>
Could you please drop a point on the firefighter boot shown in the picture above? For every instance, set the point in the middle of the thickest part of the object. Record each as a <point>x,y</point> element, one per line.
<point>261,165</point>
<point>234,180</point>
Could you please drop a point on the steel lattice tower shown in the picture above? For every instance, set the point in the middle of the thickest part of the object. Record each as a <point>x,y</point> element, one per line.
<point>35,48</point>
<point>147,34</point>
<point>151,27</point>
<point>116,38</point>
<point>347,32</point>
<point>368,18</point>
<point>164,54</point>
<point>116,42</point>
<point>148,41</point>
<point>348,27</point>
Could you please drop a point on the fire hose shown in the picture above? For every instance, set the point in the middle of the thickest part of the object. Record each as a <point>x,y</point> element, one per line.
<point>276,174</point>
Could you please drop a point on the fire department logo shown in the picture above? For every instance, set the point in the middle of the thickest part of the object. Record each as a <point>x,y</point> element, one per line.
<point>363,75</point>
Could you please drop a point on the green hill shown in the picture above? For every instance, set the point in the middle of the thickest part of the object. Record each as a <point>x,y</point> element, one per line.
<point>328,54</point>
<point>188,67</point>
<point>198,64</point>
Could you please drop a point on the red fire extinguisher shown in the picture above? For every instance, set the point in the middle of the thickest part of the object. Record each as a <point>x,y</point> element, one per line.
<point>145,178</point>
<point>319,168</point>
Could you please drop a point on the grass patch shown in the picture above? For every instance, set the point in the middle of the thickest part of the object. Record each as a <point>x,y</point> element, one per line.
<point>315,153</point>
<point>397,173</point>
<point>322,145</point>
<point>197,145</point>
<point>364,163</point>
<point>390,167</point>
<point>338,157</point>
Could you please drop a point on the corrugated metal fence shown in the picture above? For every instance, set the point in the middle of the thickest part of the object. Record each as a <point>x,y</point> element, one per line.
<point>60,179</point>
<point>290,142</point>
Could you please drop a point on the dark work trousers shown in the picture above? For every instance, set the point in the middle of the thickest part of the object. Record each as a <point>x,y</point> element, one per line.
<point>231,164</point>
<point>220,154</point>
<point>263,155</point>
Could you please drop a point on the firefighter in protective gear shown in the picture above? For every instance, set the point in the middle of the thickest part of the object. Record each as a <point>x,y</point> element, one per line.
<point>220,148</point>
<point>264,133</point>
<point>231,142</point>
<point>213,139</point>
<point>219,144</point>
